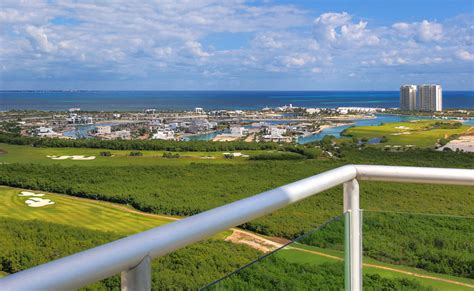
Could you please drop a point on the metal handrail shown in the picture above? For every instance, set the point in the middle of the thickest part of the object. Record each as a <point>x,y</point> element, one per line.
<point>132,255</point>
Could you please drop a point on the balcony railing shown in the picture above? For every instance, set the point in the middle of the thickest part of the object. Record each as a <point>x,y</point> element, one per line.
<point>131,256</point>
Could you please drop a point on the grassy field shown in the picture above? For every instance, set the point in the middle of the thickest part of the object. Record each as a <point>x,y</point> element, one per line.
<point>418,133</point>
<point>86,213</point>
<point>295,254</point>
<point>78,212</point>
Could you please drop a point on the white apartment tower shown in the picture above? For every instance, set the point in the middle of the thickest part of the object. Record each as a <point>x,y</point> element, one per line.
<point>421,98</point>
<point>408,98</point>
<point>429,98</point>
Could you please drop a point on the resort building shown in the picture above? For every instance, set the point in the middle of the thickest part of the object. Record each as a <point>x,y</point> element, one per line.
<point>408,98</point>
<point>238,131</point>
<point>122,134</point>
<point>46,132</point>
<point>429,98</point>
<point>165,134</point>
<point>104,129</point>
<point>421,98</point>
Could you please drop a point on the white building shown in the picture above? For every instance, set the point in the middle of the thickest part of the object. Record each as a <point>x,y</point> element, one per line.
<point>199,110</point>
<point>426,97</point>
<point>46,132</point>
<point>150,111</point>
<point>104,129</point>
<point>345,110</point>
<point>408,98</point>
<point>312,110</point>
<point>163,134</point>
<point>238,131</point>
<point>276,135</point>
<point>276,132</point>
<point>430,97</point>
<point>122,134</point>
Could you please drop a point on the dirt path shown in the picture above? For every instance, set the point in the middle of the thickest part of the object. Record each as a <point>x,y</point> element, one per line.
<point>389,269</point>
<point>254,241</point>
<point>250,138</point>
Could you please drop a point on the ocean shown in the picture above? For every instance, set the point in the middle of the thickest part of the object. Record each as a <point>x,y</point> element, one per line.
<point>209,100</point>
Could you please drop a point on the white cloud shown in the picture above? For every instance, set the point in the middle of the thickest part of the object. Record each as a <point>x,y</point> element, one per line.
<point>196,49</point>
<point>430,31</point>
<point>337,29</point>
<point>268,40</point>
<point>298,60</point>
<point>424,31</point>
<point>39,38</point>
<point>122,40</point>
<point>464,55</point>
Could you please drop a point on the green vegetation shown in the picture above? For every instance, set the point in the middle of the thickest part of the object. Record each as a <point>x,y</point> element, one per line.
<point>420,133</point>
<point>73,211</point>
<point>84,213</point>
<point>10,127</point>
<point>304,254</point>
<point>275,273</point>
<point>28,243</point>
<point>173,189</point>
<point>185,178</point>
<point>170,155</point>
<point>278,156</point>
<point>439,244</point>
<point>156,145</point>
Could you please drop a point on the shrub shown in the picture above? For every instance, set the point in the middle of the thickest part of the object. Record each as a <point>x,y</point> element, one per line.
<point>169,155</point>
<point>278,156</point>
<point>105,154</point>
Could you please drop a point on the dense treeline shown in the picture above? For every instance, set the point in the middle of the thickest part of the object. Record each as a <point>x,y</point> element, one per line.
<point>277,156</point>
<point>274,273</point>
<point>26,244</point>
<point>159,145</point>
<point>440,244</point>
<point>29,243</point>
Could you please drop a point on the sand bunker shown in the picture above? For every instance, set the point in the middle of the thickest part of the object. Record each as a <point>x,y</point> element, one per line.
<point>234,154</point>
<point>38,202</point>
<point>465,143</point>
<point>26,193</point>
<point>402,127</point>
<point>75,158</point>
<point>399,133</point>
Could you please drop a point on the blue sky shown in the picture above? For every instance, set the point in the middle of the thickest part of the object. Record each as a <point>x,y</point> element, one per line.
<point>236,44</point>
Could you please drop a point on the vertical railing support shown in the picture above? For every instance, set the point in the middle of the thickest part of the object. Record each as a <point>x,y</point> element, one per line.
<point>137,278</point>
<point>353,237</point>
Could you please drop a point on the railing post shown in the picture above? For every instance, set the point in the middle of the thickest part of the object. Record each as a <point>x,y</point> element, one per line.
<point>353,237</point>
<point>137,278</point>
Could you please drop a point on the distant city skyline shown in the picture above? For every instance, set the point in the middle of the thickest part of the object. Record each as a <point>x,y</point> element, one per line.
<point>236,45</point>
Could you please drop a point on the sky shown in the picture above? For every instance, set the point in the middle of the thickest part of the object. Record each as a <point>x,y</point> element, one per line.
<point>236,44</point>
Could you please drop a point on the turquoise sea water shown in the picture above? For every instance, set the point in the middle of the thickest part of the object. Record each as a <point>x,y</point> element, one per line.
<point>210,100</point>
